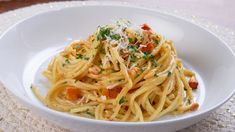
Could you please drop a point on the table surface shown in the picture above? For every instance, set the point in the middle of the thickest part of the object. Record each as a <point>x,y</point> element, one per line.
<point>16,117</point>
<point>220,12</point>
<point>7,5</point>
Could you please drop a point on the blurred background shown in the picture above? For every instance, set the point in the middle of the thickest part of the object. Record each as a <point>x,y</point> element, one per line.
<point>221,12</point>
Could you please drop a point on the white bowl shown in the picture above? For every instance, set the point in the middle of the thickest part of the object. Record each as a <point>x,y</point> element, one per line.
<point>26,47</point>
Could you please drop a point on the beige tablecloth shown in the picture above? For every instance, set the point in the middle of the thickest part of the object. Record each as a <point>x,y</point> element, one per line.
<point>15,117</point>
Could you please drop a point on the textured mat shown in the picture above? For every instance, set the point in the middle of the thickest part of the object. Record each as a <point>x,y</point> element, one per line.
<point>16,117</point>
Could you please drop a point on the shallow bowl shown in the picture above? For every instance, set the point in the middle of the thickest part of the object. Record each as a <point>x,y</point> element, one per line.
<point>26,47</point>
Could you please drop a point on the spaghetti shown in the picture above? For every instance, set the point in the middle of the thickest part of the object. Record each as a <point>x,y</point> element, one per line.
<point>120,73</point>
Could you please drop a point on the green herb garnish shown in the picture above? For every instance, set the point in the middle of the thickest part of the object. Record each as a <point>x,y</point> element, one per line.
<point>124,29</point>
<point>155,75</point>
<point>63,64</point>
<point>189,101</point>
<point>103,33</point>
<point>137,75</point>
<point>96,47</point>
<point>102,50</point>
<point>154,63</point>
<point>122,100</point>
<point>79,56</point>
<point>89,113</point>
<point>156,42</point>
<point>137,34</point>
<point>147,56</point>
<point>132,48</point>
<point>132,40</point>
<point>142,70</point>
<point>86,58</point>
<point>133,57</point>
<point>67,61</point>
<point>101,90</point>
<point>169,73</point>
<point>101,70</point>
<point>115,36</point>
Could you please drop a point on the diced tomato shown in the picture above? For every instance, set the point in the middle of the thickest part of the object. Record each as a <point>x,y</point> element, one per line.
<point>148,48</point>
<point>111,93</point>
<point>105,92</point>
<point>145,27</point>
<point>194,107</point>
<point>114,92</point>
<point>193,83</point>
<point>72,93</point>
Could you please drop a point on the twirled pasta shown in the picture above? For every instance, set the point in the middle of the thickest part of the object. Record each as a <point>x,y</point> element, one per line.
<point>120,73</point>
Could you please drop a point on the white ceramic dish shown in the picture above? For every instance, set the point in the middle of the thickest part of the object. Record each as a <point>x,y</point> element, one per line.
<point>26,47</point>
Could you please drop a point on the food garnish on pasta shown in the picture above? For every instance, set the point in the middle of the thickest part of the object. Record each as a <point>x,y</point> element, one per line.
<point>121,72</point>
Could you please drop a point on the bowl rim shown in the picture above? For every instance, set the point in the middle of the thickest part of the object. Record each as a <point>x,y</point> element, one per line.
<point>103,122</point>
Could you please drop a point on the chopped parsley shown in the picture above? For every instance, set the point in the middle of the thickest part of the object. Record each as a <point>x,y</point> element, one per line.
<point>63,64</point>
<point>154,63</point>
<point>79,56</point>
<point>102,50</point>
<point>142,70</point>
<point>64,82</point>
<point>133,57</point>
<point>101,70</point>
<point>101,90</point>
<point>89,113</point>
<point>106,32</point>
<point>122,100</point>
<point>103,33</point>
<point>124,29</point>
<point>169,73</point>
<point>155,75</point>
<point>96,47</point>
<point>156,42</point>
<point>189,101</point>
<point>137,75</point>
<point>137,34</point>
<point>86,58</point>
<point>132,40</point>
<point>132,48</point>
<point>83,50</point>
<point>67,61</point>
<point>177,67</point>
<point>147,56</point>
<point>115,36</point>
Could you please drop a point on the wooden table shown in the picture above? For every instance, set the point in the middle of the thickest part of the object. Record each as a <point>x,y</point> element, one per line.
<point>6,5</point>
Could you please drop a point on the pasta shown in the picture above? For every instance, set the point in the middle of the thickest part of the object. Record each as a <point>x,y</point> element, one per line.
<point>121,72</point>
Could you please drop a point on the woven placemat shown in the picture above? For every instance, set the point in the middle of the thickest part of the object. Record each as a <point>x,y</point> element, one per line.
<point>16,117</point>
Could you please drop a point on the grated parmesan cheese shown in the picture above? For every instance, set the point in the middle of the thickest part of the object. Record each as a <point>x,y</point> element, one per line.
<point>103,97</point>
<point>118,29</point>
